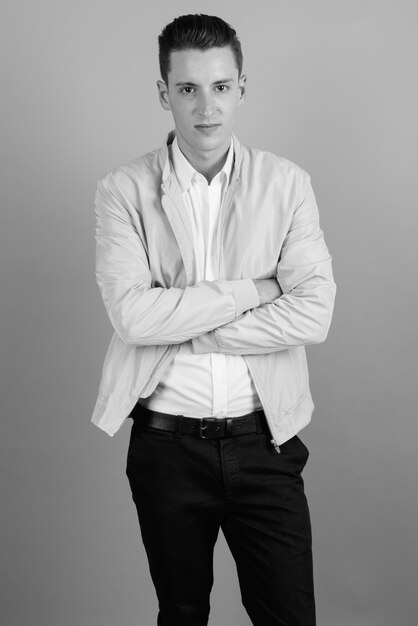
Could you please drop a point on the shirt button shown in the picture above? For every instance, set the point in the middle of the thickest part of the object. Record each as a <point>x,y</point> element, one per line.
<point>219,373</point>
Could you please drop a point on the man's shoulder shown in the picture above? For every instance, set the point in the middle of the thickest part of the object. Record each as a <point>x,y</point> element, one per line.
<point>144,170</point>
<point>271,162</point>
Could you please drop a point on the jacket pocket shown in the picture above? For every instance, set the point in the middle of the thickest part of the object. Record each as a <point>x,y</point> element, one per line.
<point>299,383</point>
<point>298,403</point>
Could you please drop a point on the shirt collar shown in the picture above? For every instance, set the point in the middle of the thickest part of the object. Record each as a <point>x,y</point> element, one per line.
<point>185,171</point>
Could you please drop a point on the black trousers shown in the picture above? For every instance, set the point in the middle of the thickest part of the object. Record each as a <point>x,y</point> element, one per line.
<point>186,488</point>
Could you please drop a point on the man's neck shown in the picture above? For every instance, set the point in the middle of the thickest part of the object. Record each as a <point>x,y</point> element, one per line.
<point>206,163</point>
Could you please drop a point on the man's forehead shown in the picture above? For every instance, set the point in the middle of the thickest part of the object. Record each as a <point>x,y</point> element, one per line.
<point>194,61</point>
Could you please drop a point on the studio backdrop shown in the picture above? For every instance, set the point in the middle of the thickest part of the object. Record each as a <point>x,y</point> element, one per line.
<point>331,86</point>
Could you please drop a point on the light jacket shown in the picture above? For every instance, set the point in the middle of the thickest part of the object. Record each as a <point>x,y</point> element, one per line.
<point>268,227</point>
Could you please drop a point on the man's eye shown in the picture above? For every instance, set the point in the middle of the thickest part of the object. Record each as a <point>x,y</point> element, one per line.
<point>187,90</point>
<point>221,88</point>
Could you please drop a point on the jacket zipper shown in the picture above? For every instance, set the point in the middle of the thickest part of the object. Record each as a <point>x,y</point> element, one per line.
<point>273,441</point>
<point>221,227</point>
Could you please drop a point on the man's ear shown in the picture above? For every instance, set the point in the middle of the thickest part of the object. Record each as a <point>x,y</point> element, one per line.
<point>163,95</point>
<point>241,86</point>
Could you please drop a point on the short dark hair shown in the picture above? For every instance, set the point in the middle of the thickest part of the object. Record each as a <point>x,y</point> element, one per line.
<point>197,31</point>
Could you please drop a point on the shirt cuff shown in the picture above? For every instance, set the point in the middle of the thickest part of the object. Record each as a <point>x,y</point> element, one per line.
<point>205,343</point>
<point>245,294</point>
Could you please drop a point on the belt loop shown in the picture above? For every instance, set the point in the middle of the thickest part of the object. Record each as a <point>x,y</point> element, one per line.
<point>179,427</point>
<point>258,421</point>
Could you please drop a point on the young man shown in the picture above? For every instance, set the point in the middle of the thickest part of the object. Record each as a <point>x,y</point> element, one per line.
<point>214,272</point>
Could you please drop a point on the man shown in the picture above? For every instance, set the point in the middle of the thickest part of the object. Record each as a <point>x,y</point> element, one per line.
<point>215,274</point>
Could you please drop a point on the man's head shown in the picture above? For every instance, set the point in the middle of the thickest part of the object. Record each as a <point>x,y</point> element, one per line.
<point>199,32</point>
<point>202,86</point>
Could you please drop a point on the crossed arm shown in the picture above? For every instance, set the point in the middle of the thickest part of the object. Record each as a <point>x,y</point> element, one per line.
<point>234,317</point>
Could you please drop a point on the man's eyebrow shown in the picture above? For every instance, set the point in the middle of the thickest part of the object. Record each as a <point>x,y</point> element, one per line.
<point>185,84</point>
<point>222,82</point>
<point>190,84</point>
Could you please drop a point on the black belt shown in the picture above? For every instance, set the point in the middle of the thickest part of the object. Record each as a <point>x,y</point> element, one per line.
<point>205,428</point>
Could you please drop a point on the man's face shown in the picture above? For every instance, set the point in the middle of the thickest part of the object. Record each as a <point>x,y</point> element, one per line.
<point>203,93</point>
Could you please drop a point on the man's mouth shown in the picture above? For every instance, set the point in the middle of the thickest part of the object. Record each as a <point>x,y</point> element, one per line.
<point>206,126</point>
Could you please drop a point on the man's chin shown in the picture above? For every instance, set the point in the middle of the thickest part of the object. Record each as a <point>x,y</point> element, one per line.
<point>213,142</point>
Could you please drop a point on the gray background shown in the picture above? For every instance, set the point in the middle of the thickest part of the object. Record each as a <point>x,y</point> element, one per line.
<point>332,86</point>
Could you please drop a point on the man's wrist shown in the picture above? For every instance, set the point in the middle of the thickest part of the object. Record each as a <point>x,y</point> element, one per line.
<point>268,289</point>
<point>245,294</point>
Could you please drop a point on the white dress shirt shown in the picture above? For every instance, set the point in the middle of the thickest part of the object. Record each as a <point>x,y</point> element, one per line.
<point>213,384</point>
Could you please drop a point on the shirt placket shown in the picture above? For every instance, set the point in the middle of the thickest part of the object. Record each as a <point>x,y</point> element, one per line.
<point>218,361</point>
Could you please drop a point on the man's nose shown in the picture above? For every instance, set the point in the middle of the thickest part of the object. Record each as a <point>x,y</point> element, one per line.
<point>206,105</point>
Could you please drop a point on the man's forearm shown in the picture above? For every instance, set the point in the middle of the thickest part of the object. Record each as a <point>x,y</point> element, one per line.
<point>160,316</point>
<point>167,316</point>
<point>292,320</point>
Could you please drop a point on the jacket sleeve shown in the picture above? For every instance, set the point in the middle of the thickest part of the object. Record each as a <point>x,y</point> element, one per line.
<point>302,314</point>
<point>146,315</point>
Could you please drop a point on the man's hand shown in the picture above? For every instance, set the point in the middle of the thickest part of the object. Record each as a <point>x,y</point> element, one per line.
<point>268,289</point>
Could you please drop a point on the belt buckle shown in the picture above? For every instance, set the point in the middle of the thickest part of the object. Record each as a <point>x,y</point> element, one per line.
<point>204,425</point>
